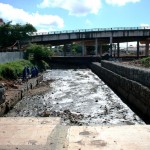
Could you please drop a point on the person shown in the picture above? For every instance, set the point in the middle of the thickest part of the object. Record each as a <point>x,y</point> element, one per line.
<point>24,74</point>
<point>28,72</point>
<point>36,71</point>
<point>33,72</point>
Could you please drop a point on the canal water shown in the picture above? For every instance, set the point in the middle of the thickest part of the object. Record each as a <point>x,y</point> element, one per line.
<point>79,97</point>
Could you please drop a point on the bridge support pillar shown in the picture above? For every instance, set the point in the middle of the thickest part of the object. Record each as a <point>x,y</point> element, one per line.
<point>83,48</point>
<point>111,40</point>
<point>100,50</point>
<point>96,46</point>
<point>138,50</point>
<point>118,50</point>
<point>147,48</point>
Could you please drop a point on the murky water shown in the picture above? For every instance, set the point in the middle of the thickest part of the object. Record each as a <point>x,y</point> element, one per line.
<point>79,97</point>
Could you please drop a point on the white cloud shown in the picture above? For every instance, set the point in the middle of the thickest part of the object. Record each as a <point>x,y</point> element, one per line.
<point>146,26</point>
<point>75,7</point>
<point>88,22</point>
<point>9,13</point>
<point>121,2</point>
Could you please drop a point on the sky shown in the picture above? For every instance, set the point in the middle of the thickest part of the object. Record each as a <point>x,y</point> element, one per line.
<point>58,15</point>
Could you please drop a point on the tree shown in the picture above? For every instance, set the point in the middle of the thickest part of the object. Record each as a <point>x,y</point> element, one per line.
<point>76,48</point>
<point>11,34</point>
<point>39,52</point>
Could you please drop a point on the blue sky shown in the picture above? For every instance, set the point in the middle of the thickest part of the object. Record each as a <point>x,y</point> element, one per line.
<point>49,15</point>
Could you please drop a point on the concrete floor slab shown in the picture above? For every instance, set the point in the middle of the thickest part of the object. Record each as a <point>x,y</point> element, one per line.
<point>26,131</point>
<point>47,134</point>
<point>109,138</point>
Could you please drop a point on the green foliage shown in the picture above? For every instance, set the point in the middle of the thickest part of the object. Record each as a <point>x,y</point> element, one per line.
<point>76,48</point>
<point>42,65</point>
<point>105,48</point>
<point>39,52</point>
<point>12,70</point>
<point>9,73</point>
<point>9,33</point>
<point>145,62</point>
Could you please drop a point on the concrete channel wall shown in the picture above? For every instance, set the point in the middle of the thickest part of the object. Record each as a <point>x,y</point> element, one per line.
<point>16,95</point>
<point>10,56</point>
<point>133,93</point>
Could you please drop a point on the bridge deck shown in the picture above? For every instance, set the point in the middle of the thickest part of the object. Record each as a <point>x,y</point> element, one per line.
<point>47,133</point>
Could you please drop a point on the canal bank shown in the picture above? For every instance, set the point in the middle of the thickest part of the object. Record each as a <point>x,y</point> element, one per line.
<point>13,93</point>
<point>130,83</point>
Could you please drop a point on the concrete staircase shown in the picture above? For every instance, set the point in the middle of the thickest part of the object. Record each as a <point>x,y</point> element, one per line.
<point>48,134</point>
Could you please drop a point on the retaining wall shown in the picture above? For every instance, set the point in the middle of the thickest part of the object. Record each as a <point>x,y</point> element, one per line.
<point>16,95</point>
<point>10,56</point>
<point>140,75</point>
<point>136,95</point>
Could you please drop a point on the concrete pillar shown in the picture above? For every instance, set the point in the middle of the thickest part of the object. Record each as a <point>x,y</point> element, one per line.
<point>127,47</point>
<point>96,46</point>
<point>64,49</point>
<point>147,48</point>
<point>138,49</point>
<point>100,50</point>
<point>85,52</point>
<point>83,48</point>
<point>111,40</point>
<point>118,50</point>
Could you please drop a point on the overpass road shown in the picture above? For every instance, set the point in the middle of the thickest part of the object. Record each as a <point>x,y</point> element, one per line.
<point>96,37</point>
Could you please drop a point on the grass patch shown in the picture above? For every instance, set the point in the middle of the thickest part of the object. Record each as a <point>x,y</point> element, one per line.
<point>145,62</point>
<point>12,70</point>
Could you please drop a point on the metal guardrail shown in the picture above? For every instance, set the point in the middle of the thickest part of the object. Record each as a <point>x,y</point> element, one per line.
<point>91,30</point>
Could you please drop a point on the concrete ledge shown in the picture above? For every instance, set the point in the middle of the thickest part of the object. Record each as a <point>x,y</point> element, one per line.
<point>109,138</point>
<point>18,133</point>
<point>47,134</point>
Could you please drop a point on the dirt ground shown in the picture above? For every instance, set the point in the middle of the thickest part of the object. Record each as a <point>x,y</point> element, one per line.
<point>134,63</point>
<point>11,85</point>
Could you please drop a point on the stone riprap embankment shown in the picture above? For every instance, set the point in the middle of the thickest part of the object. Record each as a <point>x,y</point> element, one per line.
<point>125,81</point>
<point>141,75</point>
<point>12,96</point>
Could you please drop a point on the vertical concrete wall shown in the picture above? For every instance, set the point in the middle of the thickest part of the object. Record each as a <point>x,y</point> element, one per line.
<point>136,95</point>
<point>10,56</point>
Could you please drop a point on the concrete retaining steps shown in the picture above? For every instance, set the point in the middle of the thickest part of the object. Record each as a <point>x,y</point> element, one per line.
<point>48,134</point>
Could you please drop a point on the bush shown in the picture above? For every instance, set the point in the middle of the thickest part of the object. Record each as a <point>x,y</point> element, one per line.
<point>14,69</point>
<point>39,52</point>
<point>9,73</point>
<point>145,62</point>
<point>42,65</point>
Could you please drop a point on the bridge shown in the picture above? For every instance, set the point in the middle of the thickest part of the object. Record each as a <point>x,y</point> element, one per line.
<point>96,37</point>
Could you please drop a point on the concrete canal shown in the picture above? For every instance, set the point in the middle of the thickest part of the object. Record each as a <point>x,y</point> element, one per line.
<point>79,97</point>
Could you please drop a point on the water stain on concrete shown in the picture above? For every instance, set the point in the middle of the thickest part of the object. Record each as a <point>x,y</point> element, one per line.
<point>84,133</point>
<point>99,143</point>
<point>32,142</point>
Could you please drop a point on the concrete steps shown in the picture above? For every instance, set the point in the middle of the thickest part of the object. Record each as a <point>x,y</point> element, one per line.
<point>48,134</point>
